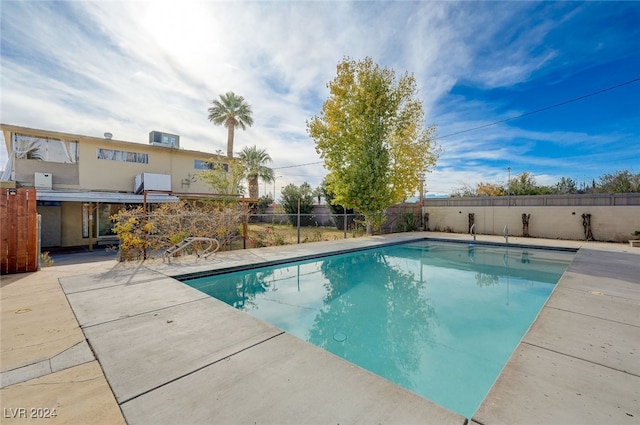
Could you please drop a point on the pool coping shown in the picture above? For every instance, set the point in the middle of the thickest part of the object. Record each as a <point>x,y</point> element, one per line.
<point>586,385</point>
<point>139,406</point>
<point>215,272</point>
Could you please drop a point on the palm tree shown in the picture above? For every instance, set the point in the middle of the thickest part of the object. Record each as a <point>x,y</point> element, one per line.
<point>231,111</point>
<point>253,160</point>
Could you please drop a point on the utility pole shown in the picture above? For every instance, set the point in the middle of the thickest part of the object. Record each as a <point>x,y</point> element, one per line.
<point>509,187</point>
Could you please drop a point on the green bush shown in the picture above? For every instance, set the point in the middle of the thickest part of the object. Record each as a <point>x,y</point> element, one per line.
<point>409,222</point>
<point>291,194</point>
<point>263,203</point>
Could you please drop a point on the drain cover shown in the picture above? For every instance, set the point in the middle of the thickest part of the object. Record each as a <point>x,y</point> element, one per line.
<point>340,337</point>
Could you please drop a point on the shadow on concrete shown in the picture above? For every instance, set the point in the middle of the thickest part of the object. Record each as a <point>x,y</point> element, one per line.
<point>614,265</point>
<point>81,255</point>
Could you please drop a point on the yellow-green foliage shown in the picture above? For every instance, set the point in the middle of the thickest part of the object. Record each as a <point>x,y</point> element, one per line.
<point>262,235</point>
<point>360,225</point>
<point>372,137</point>
<point>267,237</point>
<point>170,223</point>
<point>222,181</point>
<point>45,259</point>
<point>132,232</point>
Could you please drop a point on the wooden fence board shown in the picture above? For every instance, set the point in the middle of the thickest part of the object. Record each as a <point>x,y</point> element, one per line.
<point>32,232</point>
<point>20,230</point>
<point>19,234</point>
<point>4,233</point>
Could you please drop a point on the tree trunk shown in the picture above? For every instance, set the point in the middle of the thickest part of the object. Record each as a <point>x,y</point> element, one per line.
<point>230,130</point>
<point>253,188</point>
<point>368,224</point>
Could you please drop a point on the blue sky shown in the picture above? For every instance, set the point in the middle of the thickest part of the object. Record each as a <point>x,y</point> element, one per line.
<point>132,67</point>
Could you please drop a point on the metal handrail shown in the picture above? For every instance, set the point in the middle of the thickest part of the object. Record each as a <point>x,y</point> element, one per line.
<point>473,231</point>
<point>190,240</point>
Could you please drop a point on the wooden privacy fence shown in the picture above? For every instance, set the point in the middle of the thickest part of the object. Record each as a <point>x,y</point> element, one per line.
<point>18,231</point>
<point>403,217</point>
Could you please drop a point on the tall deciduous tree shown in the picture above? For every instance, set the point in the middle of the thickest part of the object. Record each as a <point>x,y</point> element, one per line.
<point>372,137</point>
<point>621,181</point>
<point>231,111</point>
<point>566,185</point>
<point>523,184</point>
<point>489,189</point>
<point>253,161</point>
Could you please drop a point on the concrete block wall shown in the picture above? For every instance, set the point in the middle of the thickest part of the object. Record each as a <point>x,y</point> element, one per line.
<point>615,223</point>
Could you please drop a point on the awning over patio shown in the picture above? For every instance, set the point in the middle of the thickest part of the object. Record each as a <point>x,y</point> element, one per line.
<point>106,197</point>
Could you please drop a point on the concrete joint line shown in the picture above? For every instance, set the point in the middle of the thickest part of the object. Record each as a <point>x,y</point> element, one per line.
<point>584,291</point>
<point>593,317</point>
<point>75,355</point>
<point>200,368</point>
<point>82,291</point>
<point>204,297</point>
<point>581,359</point>
<point>25,373</point>
<point>124,284</point>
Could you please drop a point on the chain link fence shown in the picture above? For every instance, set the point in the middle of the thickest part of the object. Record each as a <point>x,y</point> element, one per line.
<point>150,235</point>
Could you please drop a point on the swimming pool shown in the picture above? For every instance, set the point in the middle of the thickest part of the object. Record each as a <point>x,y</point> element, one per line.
<point>440,319</point>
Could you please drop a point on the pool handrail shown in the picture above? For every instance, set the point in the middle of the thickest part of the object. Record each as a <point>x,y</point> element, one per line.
<point>186,242</point>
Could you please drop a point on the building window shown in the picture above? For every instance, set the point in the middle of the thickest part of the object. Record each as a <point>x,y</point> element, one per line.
<point>103,215</point>
<point>114,155</point>
<point>100,214</point>
<point>199,164</point>
<point>45,149</point>
<point>169,140</point>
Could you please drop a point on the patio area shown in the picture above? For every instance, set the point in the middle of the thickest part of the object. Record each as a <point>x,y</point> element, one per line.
<point>103,342</point>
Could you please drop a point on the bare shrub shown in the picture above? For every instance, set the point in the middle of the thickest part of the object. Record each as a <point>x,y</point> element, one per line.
<point>170,223</point>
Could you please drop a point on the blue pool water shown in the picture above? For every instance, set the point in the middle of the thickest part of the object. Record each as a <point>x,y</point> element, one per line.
<point>440,319</point>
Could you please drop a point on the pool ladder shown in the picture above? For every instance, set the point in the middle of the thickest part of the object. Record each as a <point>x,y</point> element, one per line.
<point>505,233</point>
<point>186,242</point>
<point>473,231</point>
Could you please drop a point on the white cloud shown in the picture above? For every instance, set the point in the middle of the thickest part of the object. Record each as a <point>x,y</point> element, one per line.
<point>132,67</point>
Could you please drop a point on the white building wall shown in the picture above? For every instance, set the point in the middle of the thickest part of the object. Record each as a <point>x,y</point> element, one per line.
<point>608,222</point>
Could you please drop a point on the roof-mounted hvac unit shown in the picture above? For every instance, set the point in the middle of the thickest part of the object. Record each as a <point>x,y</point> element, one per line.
<point>158,138</point>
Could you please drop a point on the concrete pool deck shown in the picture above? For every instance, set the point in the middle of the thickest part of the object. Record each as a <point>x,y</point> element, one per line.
<point>158,361</point>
